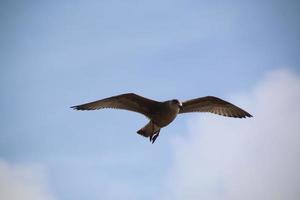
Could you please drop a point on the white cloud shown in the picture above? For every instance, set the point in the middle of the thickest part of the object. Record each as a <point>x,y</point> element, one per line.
<point>23,182</point>
<point>232,159</point>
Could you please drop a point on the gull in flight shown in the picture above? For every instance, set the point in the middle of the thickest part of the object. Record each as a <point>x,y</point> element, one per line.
<point>163,113</point>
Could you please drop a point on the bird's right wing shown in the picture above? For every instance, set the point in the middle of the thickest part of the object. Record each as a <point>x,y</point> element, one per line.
<point>213,105</point>
<point>129,101</point>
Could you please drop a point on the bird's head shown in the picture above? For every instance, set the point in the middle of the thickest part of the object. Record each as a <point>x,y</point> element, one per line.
<point>177,103</point>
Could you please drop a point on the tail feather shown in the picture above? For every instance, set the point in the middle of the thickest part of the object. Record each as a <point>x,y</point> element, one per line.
<point>148,130</point>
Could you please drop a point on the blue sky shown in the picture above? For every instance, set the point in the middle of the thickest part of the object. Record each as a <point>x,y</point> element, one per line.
<point>55,54</point>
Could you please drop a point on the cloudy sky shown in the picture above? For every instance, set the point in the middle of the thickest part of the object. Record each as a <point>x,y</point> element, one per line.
<point>55,54</point>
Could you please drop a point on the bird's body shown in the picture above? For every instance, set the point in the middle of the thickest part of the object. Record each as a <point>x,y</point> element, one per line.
<point>162,114</point>
<point>165,114</point>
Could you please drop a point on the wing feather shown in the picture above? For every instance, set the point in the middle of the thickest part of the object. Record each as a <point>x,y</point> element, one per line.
<point>129,101</point>
<point>213,105</point>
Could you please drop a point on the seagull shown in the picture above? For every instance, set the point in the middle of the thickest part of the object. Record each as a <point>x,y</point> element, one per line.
<point>163,113</point>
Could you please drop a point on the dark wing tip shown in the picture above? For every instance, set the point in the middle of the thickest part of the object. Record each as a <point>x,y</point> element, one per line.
<point>240,114</point>
<point>249,115</point>
<point>246,114</point>
<point>76,108</point>
<point>84,107</point>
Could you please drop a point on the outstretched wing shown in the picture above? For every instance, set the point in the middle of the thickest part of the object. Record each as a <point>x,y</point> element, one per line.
<point>130,101</point>
<point>213,105</point>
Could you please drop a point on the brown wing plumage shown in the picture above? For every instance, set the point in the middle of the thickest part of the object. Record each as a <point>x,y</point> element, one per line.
<point>129,101</point>
<point>213,105</point>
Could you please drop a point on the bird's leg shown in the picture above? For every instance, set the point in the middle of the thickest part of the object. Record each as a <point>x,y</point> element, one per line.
<point>155,136</point>
<point>151,136</point>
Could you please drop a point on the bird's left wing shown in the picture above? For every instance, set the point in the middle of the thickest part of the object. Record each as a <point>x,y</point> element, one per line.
<point>213,105</point>
<point>129,101</point>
